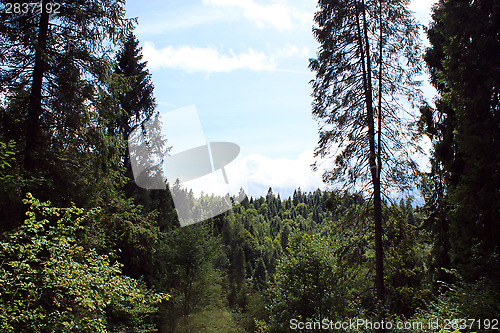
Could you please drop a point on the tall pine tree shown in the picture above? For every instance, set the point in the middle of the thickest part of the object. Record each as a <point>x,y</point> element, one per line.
<point>365,67</point>
<point>138,102</point>
<point>137,105</point>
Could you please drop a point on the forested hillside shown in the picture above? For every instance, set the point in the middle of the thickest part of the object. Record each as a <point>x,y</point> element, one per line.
<point>84,249</point>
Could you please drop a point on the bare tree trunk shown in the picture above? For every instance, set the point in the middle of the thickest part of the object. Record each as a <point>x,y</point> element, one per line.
<point>379,138</point>
<point>35,98</point>
<point>374,168</point>
<point>377,204</point>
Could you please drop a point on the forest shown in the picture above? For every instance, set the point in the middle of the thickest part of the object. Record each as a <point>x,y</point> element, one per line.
<point>84,249</point>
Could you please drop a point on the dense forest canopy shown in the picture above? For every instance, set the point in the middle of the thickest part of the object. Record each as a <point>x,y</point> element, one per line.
<point>84,249</point>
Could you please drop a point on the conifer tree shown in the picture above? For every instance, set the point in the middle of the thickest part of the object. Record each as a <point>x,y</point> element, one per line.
<point>55,65</point>
<point>463,62</point>
<point>365,67</point>
<point>138,102</point>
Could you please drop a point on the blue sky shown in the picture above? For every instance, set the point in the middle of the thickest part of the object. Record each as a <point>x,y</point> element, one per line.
<point>243,64</point>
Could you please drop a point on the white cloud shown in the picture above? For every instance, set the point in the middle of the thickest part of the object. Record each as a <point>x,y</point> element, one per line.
<point>256,173</point>
<point>278,14</point>
<point>423,6</point>
<point>208,59</point>
<point>293,50</point>
<point>282,174</point>
<point>422,9</point>
<point>423,159</point>
<point>205,59</point>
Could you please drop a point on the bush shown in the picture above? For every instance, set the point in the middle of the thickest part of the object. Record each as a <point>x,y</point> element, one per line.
<point>51,283</point>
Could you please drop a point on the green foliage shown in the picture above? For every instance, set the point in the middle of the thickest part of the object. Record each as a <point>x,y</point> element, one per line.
<point>462,299</point>
<point>63,130</point>
<point>50,282</point>
<point>6,157</point>
<point>407,261</point>
<point>464,128</point>
<point>192,279</point>
<point>57,110</point>
<point>307,284</point>
<point>214,321</point>
<point>137,103</point>
<point>10,183</point>
<point>130,231</point>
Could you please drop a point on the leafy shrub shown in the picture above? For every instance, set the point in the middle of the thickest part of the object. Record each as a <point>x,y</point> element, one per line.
<point>51,283</point>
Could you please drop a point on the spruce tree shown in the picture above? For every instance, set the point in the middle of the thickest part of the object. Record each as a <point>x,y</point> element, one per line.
<point>365,66</point>
<point>137,103</point>
<point>55,66</point>
<point>464,65</point>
